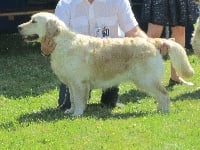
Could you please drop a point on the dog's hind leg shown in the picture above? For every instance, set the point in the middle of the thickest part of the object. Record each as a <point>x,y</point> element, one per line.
<point>80,94</point>
<point>162,97</point>
<point>154,87</point>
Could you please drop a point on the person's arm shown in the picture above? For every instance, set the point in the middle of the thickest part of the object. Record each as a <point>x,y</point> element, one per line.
<point>127,21</point>
<point>62,11</point>
<point>136,32</point>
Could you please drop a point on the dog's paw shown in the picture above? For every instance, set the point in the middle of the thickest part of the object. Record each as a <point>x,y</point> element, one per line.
<point>76,114</point>
<point>69,111</point>
<point>163,109</point>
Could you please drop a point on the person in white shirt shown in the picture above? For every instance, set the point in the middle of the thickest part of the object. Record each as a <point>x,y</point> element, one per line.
<point>102,18</point>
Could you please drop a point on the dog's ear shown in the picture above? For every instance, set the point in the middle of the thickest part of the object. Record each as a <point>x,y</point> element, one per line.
<point>52,28</point>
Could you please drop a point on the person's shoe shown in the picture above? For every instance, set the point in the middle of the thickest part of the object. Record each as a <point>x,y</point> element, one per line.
<point>173,82</point>
<point>64,97</point>
<point>181,81</point>
<point>109,97</point>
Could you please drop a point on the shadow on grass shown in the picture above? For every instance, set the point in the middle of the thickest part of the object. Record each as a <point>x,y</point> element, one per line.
<point>93,111</point>
<point>194,95</point>
<point>24,71</point>
<point>47,115</point>
<point>133,95</point>
<point>13,45</point>
<point>23,76</point>
<point>98,112</point>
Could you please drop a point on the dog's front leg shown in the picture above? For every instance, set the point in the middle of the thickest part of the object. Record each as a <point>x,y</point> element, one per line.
<point>80,95</point>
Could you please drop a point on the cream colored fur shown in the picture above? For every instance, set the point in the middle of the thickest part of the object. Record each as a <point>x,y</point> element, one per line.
<point>195,41</point>
<point>84,62</point>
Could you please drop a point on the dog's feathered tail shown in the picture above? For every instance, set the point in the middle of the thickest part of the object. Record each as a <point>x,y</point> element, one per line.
<point>177,55</point>
<point>179,59</point>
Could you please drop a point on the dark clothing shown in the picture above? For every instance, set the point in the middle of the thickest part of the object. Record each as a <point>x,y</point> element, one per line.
<point>169,12</point>
<point>64,97</point>
<point>109,97</point>
<point>136,6</point>
<point>189,29</point>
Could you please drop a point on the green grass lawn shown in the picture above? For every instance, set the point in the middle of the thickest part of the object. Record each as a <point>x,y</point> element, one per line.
<point>29,118</point>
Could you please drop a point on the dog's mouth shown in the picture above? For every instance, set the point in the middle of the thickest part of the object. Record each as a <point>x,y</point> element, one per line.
<point>31,37</point>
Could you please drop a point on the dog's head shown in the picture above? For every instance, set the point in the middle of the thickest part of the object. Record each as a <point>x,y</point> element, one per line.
<point>41,24</point>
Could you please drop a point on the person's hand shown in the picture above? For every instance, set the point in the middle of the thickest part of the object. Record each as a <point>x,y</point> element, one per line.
<point>165,46</point>
<point>164,49</point>
<point>47,45</point>
<point>161,44</point>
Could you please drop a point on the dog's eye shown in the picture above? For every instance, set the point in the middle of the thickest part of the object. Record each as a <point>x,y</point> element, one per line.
<point>33,21</point>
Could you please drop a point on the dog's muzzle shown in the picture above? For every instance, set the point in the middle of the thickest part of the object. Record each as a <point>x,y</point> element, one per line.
<point>31,37</point>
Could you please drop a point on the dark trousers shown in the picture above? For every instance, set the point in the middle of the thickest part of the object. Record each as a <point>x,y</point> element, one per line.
<point>108,98</point>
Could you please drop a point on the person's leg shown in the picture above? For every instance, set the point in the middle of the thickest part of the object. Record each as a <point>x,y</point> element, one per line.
<point>64,97</point>
<point>188,35</point>
<point>178,33</point>
<point>154,30</point>
<point>109,97</point>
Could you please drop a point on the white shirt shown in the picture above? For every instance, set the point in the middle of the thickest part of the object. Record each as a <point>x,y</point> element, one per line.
<point>86,18</point>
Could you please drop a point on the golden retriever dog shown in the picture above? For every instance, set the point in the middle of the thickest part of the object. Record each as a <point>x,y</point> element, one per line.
<point>195,41</point>
<point>83,62</point>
